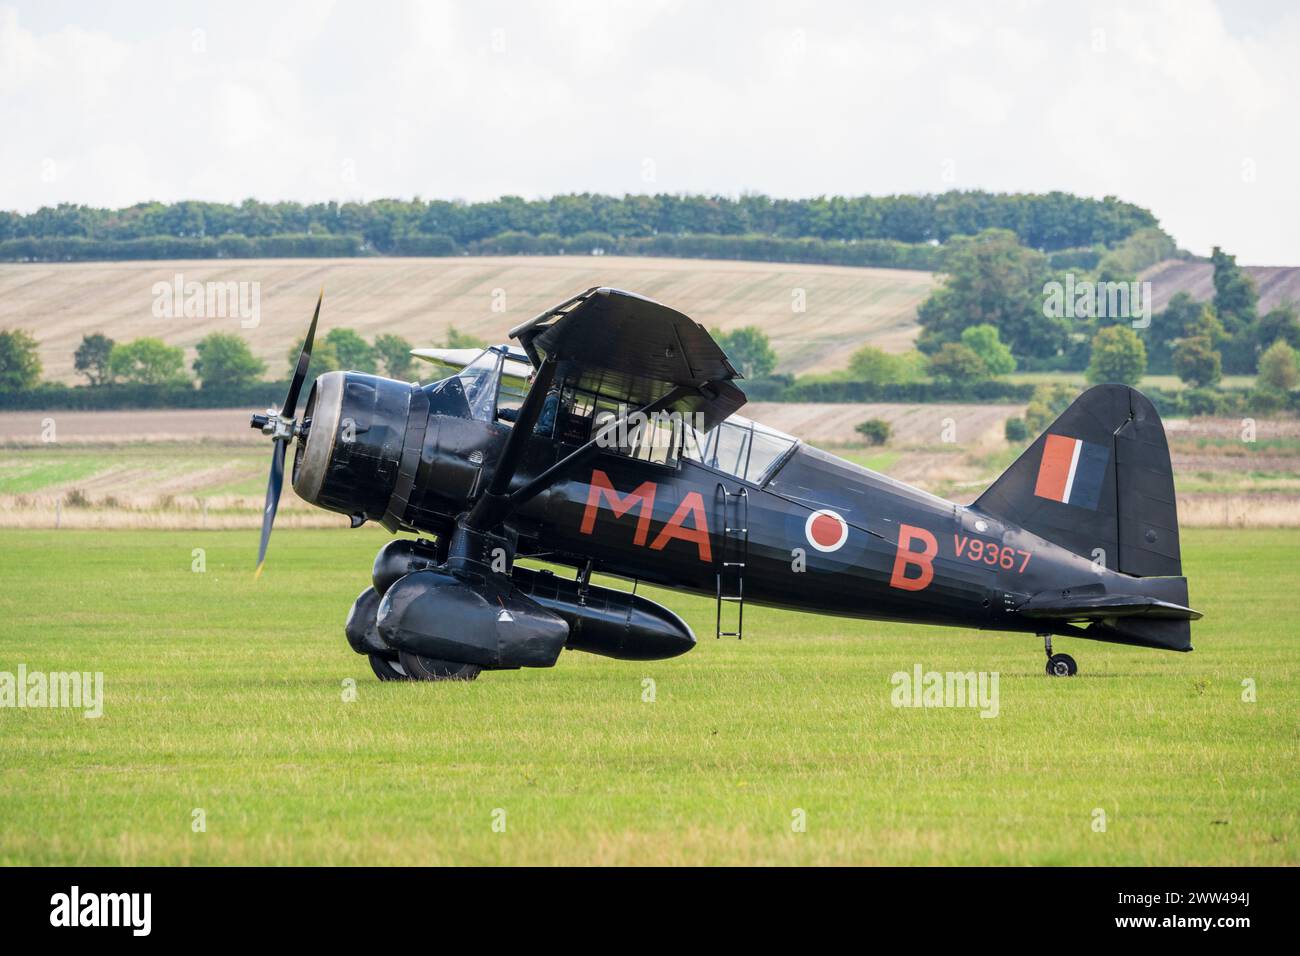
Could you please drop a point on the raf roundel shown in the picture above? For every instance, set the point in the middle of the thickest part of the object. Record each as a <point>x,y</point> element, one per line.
<point>826,530</point>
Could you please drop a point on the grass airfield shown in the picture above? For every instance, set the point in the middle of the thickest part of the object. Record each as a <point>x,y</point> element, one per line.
<point>231,696</point>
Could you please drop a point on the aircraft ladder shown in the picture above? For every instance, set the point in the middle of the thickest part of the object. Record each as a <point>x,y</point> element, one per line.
<point>732,553</point>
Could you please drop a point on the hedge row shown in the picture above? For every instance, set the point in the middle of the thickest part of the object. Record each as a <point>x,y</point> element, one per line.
<point>1190,402</point>
<point>908,393</point>
<point>167,247</point>
<point>51,395</point>
<point>866,252</point>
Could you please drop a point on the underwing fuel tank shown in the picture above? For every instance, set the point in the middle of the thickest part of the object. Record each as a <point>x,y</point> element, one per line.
<point>600,620</point>
<point>471,620</point>
<point>608,622</point>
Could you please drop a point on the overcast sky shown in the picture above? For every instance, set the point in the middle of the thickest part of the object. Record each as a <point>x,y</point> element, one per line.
<point>1189,108</point>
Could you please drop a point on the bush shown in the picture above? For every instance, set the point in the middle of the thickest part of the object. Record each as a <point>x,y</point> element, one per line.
<point>1046,404</point>
<point>147,361</point>
<point>1277,368</point>
<point>771,388</point>
<point>20,366</point>
<point>748,349</point>
<point>875,430</point>
<point>1198,362</point>
<point>395,354</point>
<point>92,358</point>
<point>957,363</point>
<point>225,359</point>
<point>352,351</point>
<point>870,364</point>
<point>1201,401</point>
<point>984,341</point>
<point>1266,401</point>
<point>1118,355</point>
<point>1016,430</point>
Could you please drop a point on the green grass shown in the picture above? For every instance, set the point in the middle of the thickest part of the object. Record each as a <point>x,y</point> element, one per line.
<point>199,468</point>
<point>226,694</point>
<point>27,474</point>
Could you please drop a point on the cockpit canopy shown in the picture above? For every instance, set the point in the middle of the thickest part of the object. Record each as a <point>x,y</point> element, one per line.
<point>494,384</point>
<point>740,447</point>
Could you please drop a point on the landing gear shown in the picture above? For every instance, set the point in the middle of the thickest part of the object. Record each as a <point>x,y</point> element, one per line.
<point>428,668</point>
<point>1058,665</point>
<point>387,670</point>
<point>1061,665</point>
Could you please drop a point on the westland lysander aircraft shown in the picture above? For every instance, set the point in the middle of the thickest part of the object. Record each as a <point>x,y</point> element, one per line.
<point>607,441</point>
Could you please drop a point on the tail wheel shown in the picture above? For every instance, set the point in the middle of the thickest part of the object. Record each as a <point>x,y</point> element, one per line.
<point>429,668</point>
<point>1061,665</point>
<point>387,670</point>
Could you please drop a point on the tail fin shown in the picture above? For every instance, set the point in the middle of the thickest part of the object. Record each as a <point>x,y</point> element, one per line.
<point>1099,477</point>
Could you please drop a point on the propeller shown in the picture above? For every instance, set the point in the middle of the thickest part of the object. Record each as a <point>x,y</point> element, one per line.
<point>281,427</point>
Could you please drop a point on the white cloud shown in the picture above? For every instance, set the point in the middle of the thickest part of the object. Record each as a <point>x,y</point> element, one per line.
<point>1169,105</point>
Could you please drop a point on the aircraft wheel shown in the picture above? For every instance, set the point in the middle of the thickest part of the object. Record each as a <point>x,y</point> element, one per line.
<point>1061,665</point>
<point>429,668</point>
<point>387,670</point>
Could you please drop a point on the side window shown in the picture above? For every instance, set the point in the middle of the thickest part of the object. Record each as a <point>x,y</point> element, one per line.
<point>510,397</point>
<point>729,448</point>
<point>765,450</point>
<point>739,447</point>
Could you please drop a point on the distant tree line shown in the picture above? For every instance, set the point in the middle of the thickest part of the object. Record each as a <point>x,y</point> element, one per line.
<point>1049,221</point>
<point>993,279</point>
<point>879,253</point>
<point>147,372</point>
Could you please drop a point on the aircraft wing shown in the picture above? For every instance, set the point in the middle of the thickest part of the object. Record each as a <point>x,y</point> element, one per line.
<point>516,365</point>
<point>624,345</point>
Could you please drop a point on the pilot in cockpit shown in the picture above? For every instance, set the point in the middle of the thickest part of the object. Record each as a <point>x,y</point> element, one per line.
<point>546,420</point>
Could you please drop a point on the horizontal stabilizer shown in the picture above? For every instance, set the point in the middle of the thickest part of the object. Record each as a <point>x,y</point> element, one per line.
<point>1101,606</point>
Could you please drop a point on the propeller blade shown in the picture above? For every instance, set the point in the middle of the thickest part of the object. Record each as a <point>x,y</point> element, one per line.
<point>273,486</point>
<point>304,360</point>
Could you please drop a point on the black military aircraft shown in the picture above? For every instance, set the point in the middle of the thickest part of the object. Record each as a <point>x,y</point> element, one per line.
<point>607,441</point>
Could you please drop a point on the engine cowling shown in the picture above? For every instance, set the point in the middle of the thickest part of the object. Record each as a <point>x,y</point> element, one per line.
<point>352,454</point>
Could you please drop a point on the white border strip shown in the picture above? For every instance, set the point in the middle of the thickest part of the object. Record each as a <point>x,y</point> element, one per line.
<point>1074,464</point>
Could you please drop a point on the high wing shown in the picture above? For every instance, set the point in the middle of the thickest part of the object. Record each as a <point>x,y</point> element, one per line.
<point>515,369</point>
<point>620,344</point>
<point>516,365</point>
